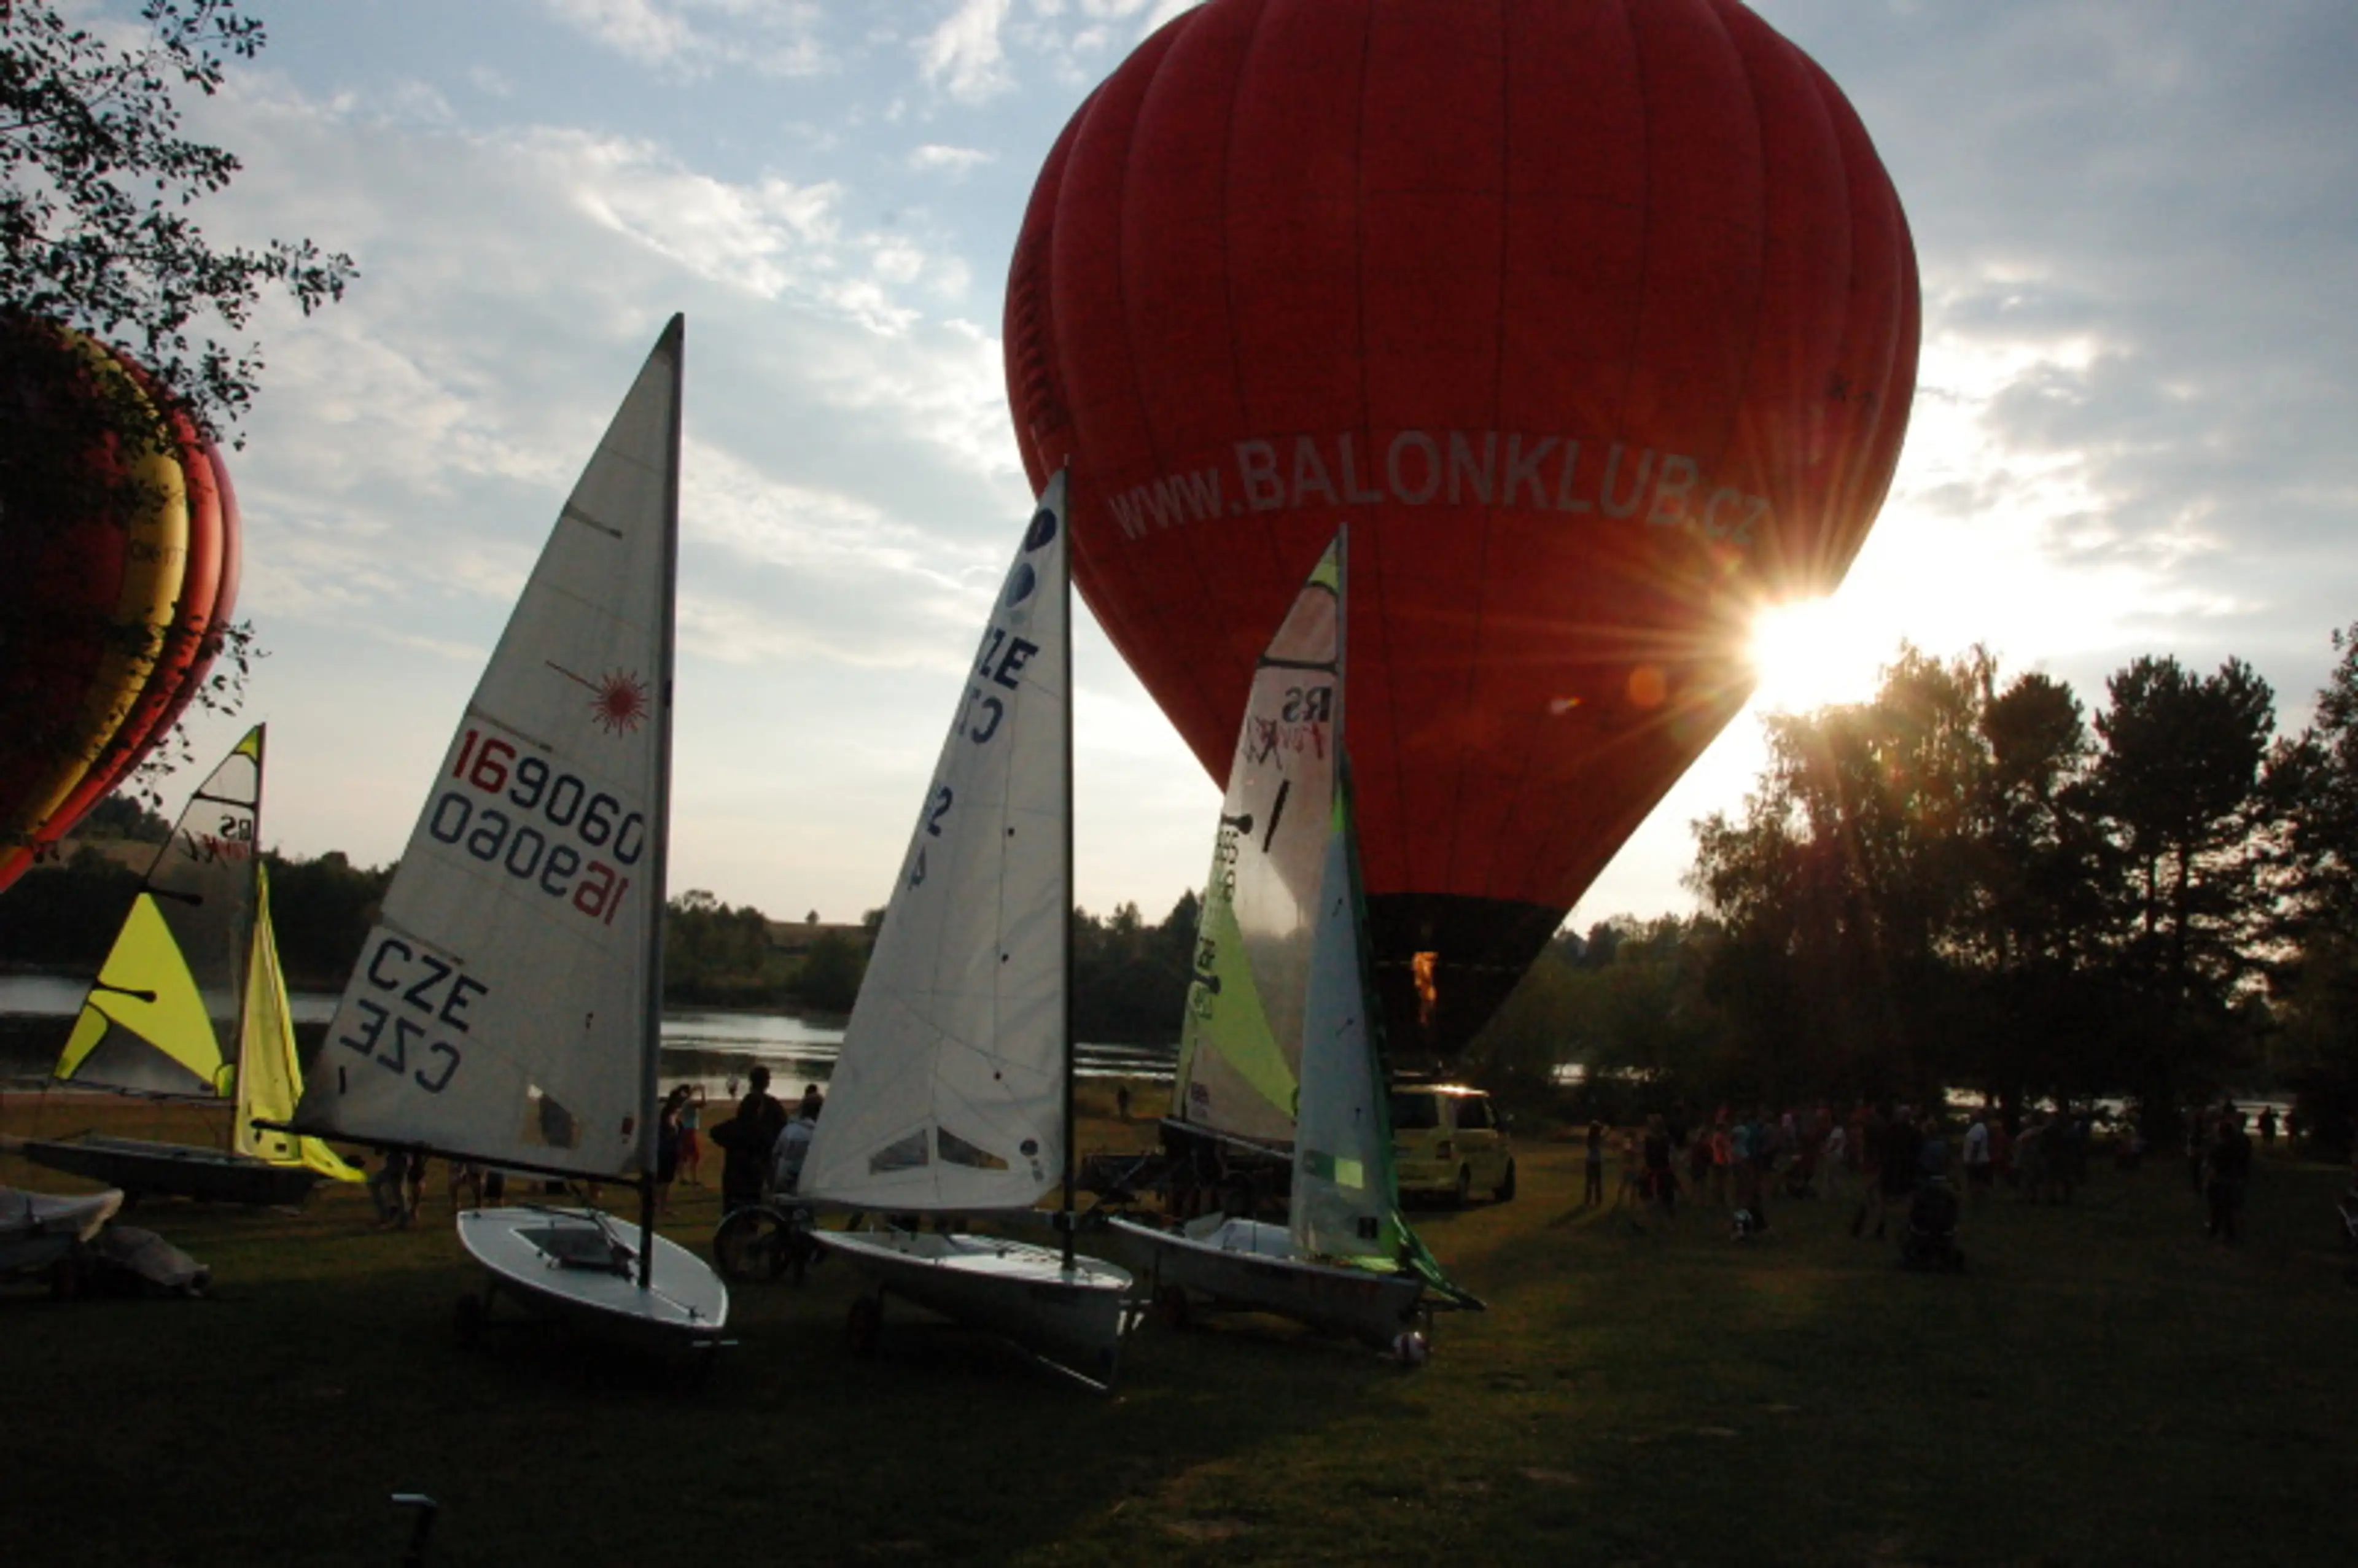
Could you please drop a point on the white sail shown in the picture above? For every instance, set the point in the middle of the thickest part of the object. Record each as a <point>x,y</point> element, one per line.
<point>505,1007</point>
<point>1241,1044</point>
<point>948,1094</point>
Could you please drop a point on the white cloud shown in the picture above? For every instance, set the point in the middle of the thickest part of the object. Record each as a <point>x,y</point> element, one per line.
<point>955,160</point>
<point>964,55</point>
<point>774,38</point>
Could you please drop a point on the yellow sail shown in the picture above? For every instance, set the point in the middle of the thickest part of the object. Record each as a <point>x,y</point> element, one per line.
<point>144,1025</point>
<point>269,1079</point>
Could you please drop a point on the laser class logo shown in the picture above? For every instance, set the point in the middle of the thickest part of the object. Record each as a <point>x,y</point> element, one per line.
<point>618,699</point>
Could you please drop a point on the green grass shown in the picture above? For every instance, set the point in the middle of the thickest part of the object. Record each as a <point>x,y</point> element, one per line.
<point>2103,1386</point>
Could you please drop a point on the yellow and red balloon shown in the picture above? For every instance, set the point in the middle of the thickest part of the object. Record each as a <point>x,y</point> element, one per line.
<point>1598,320</point>
<point>117,609</point>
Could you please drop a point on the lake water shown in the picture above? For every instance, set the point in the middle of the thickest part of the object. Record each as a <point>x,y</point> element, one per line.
<point>714,1049</point>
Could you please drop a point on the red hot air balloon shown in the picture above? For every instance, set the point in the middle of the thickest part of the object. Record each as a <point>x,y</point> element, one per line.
<point>121,567</point>
<point>1598,320</point>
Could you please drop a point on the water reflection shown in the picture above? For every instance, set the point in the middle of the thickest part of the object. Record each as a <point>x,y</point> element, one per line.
<point>713,1049</point>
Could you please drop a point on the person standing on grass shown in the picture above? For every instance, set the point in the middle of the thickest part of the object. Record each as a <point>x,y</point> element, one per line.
<point>1592,1189</point>
<point>1980,1175</point>
<point>691,1134</point>
<point>668,1147</point>
<point>1833,1160</point>
<point>1723,1160</point>
<point>746,1140</point>
<point>1661,1180</point>
<point>2229,1167</point>
<point>1631,1193</point>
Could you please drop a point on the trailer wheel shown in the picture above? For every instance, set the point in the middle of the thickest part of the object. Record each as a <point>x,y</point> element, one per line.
<point>1171,1307</point>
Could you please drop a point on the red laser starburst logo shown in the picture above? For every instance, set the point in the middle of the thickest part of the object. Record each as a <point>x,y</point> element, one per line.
<point>618,699</point>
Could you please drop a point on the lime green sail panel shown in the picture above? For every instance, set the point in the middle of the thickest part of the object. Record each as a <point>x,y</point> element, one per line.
<point>1346,1200</point>
<point>269,1076</point>
<point>163,1016</point>
<point>144,1025</point>
<point>1240,1043</point>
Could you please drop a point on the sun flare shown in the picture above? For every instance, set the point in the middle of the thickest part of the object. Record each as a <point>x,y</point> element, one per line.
<point>1812,652</point>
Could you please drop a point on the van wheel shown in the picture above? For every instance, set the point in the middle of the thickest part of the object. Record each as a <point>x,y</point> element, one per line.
<point>1464,1192</point>
<point>1505,1191</point>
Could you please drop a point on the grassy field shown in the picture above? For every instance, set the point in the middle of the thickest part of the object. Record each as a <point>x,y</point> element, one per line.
<point>2103,1386</point>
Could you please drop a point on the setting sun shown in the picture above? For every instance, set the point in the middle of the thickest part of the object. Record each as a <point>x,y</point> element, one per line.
<point>1812,652</point>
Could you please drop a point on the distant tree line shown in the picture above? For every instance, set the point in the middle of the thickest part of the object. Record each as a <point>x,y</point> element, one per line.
<point>1130,979</point>
<point>1966,882</point>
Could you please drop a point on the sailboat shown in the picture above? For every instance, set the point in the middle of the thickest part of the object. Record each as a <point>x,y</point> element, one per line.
<point>1280,1043</point>
<point>506,1008</point>
<point>191,1004</point>
<point>953,1092</point>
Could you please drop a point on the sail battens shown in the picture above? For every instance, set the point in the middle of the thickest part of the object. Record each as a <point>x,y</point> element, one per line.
<point>573,514</point>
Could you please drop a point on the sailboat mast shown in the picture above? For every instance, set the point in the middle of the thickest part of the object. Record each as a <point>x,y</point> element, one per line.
<point>242,969</point>
<point>1064,1002</point>
<point>659,811</point>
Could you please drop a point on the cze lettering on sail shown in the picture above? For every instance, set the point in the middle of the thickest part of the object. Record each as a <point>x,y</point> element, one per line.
<point>423,999</point>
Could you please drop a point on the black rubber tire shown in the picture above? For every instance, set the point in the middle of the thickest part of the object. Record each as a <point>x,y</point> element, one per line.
<point>750,1245</point>
<point>1172,1308</point>
<point>1505,1191</point>
<point>862,1324</point>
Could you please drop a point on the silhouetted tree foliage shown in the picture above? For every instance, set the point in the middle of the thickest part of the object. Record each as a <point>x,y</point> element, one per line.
<point>1130,979</point>
<point>96,234</point>
<point>321,910</point>
<point>2316,779</point>
<point>1957,883</point>
<point>64,917</point>
<point>718,956</point>
<point>121,817</point>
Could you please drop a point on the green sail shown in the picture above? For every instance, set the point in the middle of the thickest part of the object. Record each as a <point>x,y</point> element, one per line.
<point>1241,1044</point>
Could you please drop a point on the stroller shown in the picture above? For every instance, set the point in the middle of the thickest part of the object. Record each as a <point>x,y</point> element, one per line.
<point>1930,1239</point>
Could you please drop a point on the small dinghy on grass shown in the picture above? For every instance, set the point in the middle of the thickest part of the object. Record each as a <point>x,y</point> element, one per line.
<point>953,1092</point>
<point>1282,1043</point>
<point>583,1265</point>
<point>506,1011</point>
<point>190,1005</point>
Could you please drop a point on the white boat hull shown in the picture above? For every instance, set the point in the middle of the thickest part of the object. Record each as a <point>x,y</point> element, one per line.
<point>1248,1265</point>
<point>582,1265</point>
<point>38,1229</point>
<point>1073,1319</point>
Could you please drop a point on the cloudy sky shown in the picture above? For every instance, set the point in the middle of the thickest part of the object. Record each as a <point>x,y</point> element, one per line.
<point>2132,431</point>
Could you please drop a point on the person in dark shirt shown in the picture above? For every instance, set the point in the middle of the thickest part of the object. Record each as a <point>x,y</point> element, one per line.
<point>1592,1192</point>
<point>2230,1164</point>
<point>1661,1180</point>
<point>746,1140</point>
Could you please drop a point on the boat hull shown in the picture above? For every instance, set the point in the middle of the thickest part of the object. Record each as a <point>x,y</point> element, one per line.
<point>581,1265</point>
<point>1251,1266</point>
<point>174,1170</point>
<point>38,1229</point>
<point>1074,1320</point>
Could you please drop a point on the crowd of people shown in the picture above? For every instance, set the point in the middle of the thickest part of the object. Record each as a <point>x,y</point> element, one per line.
<point>1745,1157</point>
<point>762,1145</point>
